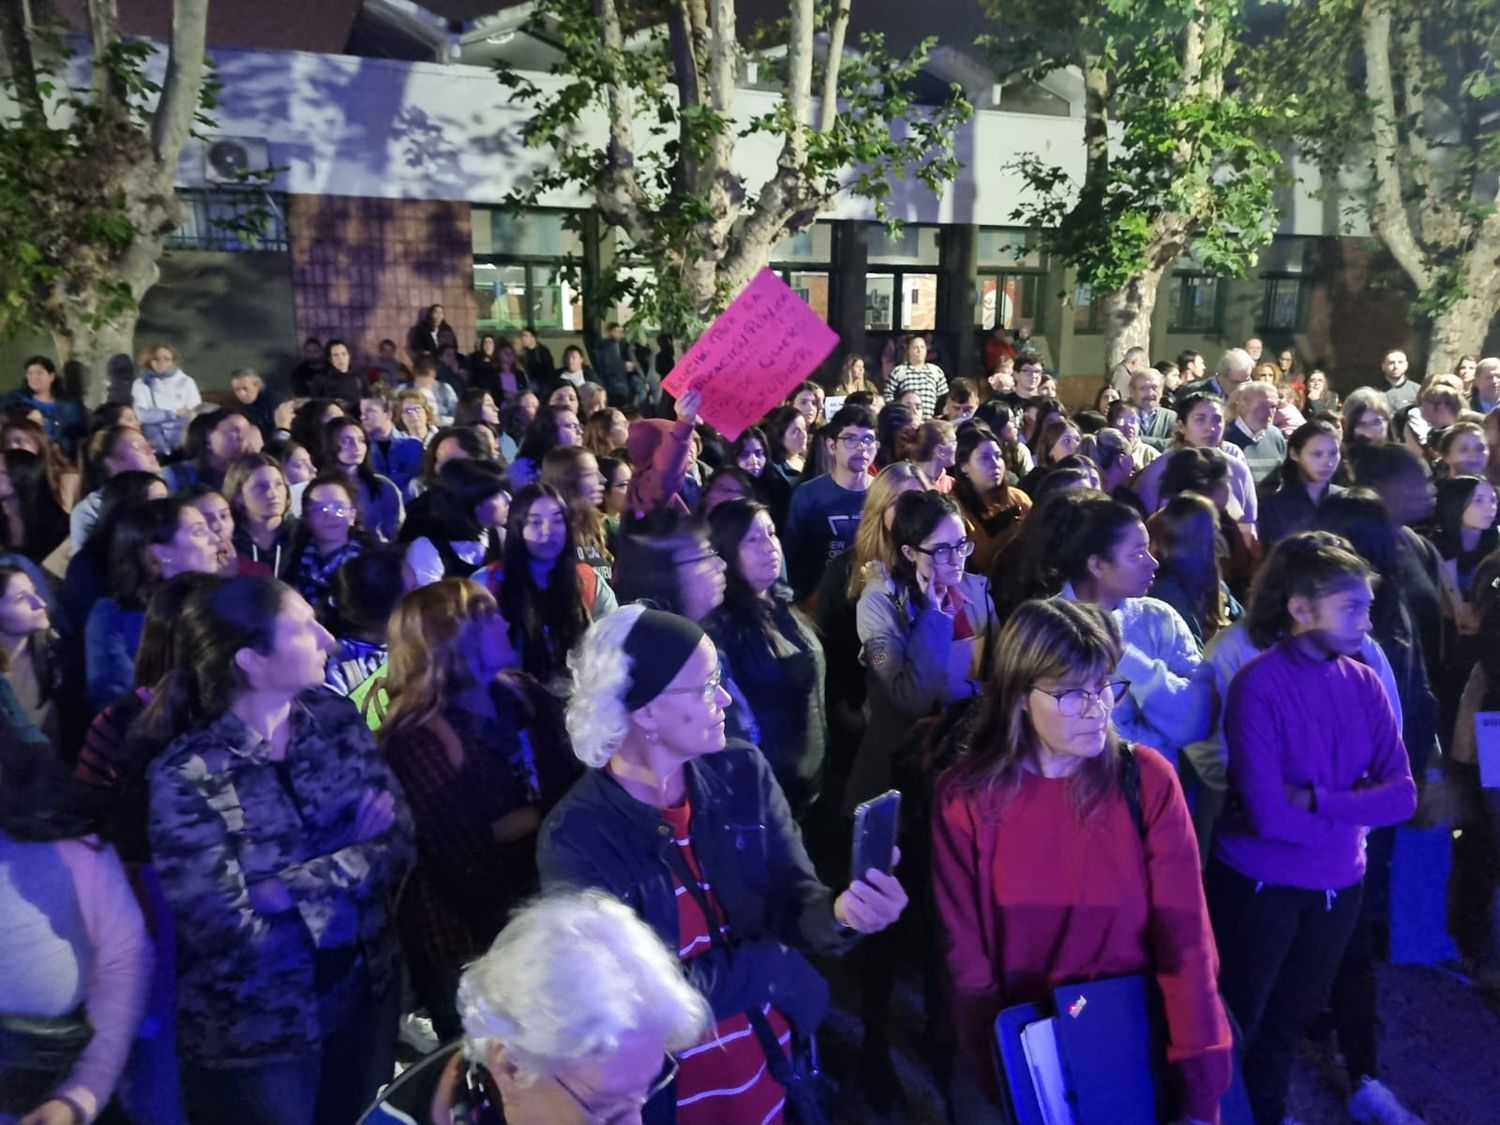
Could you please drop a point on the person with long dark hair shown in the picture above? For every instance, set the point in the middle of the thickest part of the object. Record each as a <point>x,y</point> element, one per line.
<point>574,472</point>
<point>346,451</point>
<point>75,960</point>
<point>993,510</point>
<point>30,660</point>
<point>1062,852</point>
<point>153,541</point>
<point>772,653</point>
<point>339,380</point>
<point>431,334</point>
<point>546,593</point>
<point>25,432</point>
<point>1101,552</point>
<point>1190,551</point>
<point>42,390</point>
<point>328,535</point>
<point>1315,759</point>
<point>1305,480</point>
<point>1464,534</point>
<point>481,753</point>
<point>32,522</point>
<point>553,426</point>
<point>280,838</point>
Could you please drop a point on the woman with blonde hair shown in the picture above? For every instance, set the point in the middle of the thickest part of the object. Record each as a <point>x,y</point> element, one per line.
<point>415,415</point>
<point>1062,853</point>
<point>852,377</point>
<point>482,755</point>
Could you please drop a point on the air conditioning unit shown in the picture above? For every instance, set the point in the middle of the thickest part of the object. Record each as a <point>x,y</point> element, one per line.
<point>227,160</point>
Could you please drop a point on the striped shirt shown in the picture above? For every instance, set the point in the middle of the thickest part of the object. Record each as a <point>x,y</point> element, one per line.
<point>723,1080</point>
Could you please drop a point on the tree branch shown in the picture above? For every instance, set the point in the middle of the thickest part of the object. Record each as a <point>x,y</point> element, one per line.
<point>1387,208</point>
<point>723,55</point>
<point>17,43</point>
<point>798,90</point>
<point>181,89</point>
<point>1095,124</point>
<point>828,109</point>
<point>104,33</point>
<point>686,29</point>
<point>617,189</point>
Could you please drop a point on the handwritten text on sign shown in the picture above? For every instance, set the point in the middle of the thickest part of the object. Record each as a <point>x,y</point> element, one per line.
<point>764,344</point>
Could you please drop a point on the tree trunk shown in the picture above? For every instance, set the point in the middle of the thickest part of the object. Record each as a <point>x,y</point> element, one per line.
<point>92,349</point>
<point>1462,329</point>
<point>1127,315</point>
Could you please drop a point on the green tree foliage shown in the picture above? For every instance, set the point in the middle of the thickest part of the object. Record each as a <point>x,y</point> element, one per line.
<point>86,175</point>
<point>664,74</point>
<point>1400,101</point>
<point>1176,158</point>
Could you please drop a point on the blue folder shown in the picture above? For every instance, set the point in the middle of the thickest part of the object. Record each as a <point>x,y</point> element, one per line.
<point>1111,1038</point>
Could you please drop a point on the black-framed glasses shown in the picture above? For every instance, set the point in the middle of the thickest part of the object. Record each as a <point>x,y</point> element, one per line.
<point>627,1107</point>
<point>709,555</point>
<point>949,552</point>
<point>1073,702</point>
<point>858,441</point>
<point>707,690</point>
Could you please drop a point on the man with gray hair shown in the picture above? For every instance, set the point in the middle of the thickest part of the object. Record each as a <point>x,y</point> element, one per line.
<point>571,1017</point>
<point>1233,368</point>
<point>1486,394</point>
<point>1253,405</point>
<point>1136,360</point>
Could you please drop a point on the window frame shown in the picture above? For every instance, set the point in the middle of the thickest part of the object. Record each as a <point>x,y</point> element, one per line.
<point>1269,281</point>
<point>1182,282</point>
<point>210,239</point>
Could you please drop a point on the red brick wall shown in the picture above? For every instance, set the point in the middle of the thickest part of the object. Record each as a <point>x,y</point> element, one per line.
<point>1357,312</point>
<point>364,269</point>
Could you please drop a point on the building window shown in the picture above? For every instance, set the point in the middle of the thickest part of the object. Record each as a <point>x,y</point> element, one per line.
<point>811,286</point>
<point>1006,300</point>
<point>231,219</point>
<point>1086,319</point>
<point>1194,305</point>
<point>880,302</point>
<point>914,246</point>
<point>526,270</point>
<point>1284,304</point>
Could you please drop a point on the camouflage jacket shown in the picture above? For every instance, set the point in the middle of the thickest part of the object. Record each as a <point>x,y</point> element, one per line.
<point>224,816</point>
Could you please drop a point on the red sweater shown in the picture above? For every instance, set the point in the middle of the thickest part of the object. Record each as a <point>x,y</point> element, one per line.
<point>1033,899</point>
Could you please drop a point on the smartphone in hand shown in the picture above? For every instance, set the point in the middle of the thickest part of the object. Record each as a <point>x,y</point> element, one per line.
<point>875,827</point>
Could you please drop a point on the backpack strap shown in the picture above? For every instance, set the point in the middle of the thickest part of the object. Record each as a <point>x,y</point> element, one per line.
<point>1130,785</point>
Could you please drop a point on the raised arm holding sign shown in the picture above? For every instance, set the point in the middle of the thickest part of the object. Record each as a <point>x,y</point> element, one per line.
<point>766,342</point>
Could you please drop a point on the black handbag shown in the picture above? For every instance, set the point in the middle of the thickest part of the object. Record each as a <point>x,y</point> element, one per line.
<point>37,1053</point>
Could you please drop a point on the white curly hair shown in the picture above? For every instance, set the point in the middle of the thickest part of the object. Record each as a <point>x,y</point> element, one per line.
<point>597,719</point>
<point>569,977</point>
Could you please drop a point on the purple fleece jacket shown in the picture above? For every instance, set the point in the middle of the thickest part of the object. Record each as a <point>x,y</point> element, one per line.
<point>1297,719</point>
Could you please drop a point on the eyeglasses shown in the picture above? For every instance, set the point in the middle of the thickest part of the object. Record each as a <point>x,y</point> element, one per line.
<point>858,441</point>
<point>1073,702</point>
<point>339,510</point>
<point>707,690</point>
<point>630,1106</point>
<point>949,552</point>
<point>705,557</point>
<point>413,410</point>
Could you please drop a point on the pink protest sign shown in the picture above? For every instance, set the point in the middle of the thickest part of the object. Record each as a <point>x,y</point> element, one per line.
<point>764,344</point>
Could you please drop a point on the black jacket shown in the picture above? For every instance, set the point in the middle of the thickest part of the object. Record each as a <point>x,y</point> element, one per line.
<point>750,851</point>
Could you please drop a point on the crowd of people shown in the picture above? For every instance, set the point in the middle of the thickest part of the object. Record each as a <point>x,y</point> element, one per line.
<point>308,698</point>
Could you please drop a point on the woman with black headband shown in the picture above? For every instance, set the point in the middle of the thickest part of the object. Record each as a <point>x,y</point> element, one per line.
<point>694,832</point>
